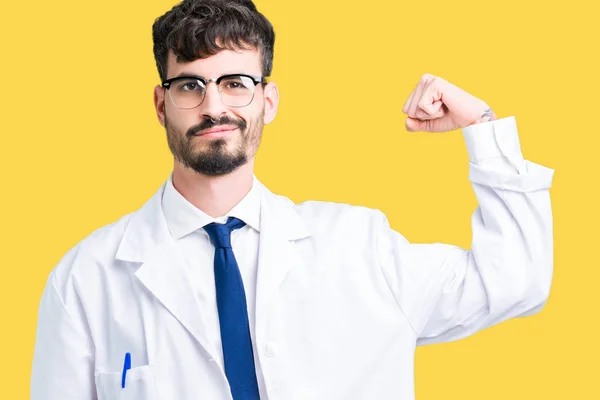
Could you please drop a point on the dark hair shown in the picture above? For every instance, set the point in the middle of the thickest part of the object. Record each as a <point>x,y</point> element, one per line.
<point>196,29</point>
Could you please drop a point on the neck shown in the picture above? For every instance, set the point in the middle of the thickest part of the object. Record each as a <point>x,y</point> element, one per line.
<point>214,195</point>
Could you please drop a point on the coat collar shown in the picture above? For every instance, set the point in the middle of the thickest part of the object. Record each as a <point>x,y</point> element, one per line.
<point>147,229</point>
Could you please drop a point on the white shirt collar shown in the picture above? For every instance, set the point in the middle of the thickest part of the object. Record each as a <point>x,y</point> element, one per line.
<point>184,218</point>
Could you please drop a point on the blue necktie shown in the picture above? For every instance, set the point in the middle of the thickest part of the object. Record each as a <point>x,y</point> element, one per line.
<point>233,313</point>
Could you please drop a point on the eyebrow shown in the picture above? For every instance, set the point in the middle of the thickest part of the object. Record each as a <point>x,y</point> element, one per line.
<point>187,74</point>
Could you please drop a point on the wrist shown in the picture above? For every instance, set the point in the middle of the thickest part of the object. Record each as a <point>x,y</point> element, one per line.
<point>487,116</point>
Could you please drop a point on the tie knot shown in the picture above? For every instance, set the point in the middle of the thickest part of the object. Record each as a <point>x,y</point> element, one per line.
<point>220,234</point>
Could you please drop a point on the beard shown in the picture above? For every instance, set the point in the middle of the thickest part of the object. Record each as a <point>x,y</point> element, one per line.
<point>214,158</point>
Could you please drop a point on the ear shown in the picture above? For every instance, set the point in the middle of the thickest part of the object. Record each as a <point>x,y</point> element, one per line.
<point>271,93</point>
<point>159,103</point>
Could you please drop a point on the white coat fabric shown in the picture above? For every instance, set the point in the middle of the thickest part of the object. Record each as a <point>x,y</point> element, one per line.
<point>342,299</point>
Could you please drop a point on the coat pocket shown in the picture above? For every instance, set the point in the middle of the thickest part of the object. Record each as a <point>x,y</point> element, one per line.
<point>140,384</point>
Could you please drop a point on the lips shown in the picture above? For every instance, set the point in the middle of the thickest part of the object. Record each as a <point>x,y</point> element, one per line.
<point>218,129</point>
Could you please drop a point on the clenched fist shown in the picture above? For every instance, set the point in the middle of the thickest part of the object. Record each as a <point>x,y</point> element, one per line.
<point>436,105</point>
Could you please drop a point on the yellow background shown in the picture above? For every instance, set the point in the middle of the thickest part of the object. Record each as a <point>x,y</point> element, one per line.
<point>81,146</point>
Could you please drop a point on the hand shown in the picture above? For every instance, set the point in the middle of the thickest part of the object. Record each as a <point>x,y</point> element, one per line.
<point>436,105</point>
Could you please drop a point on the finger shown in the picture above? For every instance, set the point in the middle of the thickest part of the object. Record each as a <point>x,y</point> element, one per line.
<point>414,125</point>
<point>410,99</point>
<point>412,108</point>
<point>430,100</point>
<point>430,111</point>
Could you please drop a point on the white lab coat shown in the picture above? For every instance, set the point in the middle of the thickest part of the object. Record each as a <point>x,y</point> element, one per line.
<point>342,299</point>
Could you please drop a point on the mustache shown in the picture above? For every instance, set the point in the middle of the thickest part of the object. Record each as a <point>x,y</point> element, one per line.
<point>208,123</point>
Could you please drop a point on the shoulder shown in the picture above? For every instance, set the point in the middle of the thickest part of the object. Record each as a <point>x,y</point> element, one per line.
<point>97,249</point>
<point>342,217</point>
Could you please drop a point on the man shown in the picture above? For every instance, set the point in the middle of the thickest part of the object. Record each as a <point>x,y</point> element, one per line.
<point>219,289</point>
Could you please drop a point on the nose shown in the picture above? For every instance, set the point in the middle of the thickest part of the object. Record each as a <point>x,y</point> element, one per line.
<point>212,106</point>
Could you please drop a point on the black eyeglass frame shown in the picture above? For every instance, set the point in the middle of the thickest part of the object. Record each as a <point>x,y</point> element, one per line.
<point>255,79</point>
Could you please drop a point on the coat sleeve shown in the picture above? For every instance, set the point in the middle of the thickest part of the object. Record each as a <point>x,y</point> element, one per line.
<point>63,362</point>
<point>448,293</point>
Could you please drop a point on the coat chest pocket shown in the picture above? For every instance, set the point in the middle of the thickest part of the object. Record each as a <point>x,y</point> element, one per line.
<point>140,384</point>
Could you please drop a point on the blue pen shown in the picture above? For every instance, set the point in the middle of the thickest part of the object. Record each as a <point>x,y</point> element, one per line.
<point>126,367</point>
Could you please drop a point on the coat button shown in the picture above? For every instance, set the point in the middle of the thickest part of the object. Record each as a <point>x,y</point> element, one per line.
<point>271,349</point>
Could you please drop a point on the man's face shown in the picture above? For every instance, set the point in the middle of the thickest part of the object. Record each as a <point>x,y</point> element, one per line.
<point>213,138</point>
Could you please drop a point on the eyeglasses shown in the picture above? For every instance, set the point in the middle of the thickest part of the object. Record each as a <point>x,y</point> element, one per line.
<point>236,90</point>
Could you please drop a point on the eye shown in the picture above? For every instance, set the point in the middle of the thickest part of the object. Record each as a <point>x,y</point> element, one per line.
<point>236,84</point>
<point>188,86</point>
<point>233,85</point>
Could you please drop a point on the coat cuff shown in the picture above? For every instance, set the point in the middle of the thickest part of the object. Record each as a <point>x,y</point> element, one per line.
<point>498,139</point>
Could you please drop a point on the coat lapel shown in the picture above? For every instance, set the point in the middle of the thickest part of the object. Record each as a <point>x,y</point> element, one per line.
<point>163,270</point>
<point>280,227</point>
